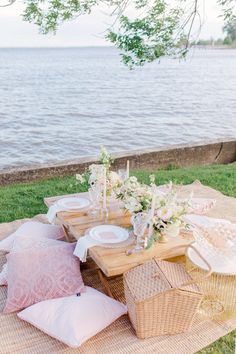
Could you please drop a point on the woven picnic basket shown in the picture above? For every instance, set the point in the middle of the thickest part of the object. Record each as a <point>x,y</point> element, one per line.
<point>162,298</point>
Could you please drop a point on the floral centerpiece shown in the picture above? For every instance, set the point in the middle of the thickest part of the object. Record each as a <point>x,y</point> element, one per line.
<point>168,212</point>
<point>136,197</point>
<point>94,175</point>
<point>164,216</point>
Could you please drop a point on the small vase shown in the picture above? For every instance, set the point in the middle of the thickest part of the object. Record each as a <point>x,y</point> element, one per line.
<point>172,230</point>
<point>162,238</point>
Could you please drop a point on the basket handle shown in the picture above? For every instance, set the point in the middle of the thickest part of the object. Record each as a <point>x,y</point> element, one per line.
<point>199,279</point>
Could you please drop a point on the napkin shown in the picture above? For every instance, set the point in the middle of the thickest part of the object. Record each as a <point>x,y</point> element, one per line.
<point>52,212</point>
<point>82,246</point>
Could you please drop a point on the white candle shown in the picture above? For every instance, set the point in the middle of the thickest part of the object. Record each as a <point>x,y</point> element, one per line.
<point>150,229</point>
<point>127,169</point>
<point>105,189</point>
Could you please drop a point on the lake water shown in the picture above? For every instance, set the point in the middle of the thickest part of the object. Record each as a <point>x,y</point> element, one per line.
<point>58,104</point>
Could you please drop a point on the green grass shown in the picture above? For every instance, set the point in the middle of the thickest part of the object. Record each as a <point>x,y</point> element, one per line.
<point>26,200</point>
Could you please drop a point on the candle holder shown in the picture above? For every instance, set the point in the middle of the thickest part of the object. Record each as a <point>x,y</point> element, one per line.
<point>94,196</point>
<point>105,214</point>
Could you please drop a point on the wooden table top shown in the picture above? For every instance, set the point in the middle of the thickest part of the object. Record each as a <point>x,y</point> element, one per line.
<point>114,261</point>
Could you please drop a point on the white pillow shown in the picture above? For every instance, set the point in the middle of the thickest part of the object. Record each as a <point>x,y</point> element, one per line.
<point>74,319</point>
<point>32,228</point>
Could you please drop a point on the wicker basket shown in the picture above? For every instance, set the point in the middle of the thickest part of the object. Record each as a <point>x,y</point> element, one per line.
<point>161,297</point>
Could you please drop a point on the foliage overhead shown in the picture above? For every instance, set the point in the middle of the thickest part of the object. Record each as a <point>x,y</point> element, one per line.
<point>144,30</point>
<point>230,29</point>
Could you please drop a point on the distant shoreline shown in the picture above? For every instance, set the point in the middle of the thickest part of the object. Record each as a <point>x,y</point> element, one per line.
<point>200,46</point>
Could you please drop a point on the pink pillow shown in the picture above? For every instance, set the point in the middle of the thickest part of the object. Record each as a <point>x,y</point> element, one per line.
<point>3,275</point>
<point>32,228</point>
<point>38,274</point>
<point>28,232</point>
<point>22,243</point>
<point>74,319</point>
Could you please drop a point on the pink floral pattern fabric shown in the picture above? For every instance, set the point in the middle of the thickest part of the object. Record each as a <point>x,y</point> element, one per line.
<point>31,234</point>
<point>38,274</point>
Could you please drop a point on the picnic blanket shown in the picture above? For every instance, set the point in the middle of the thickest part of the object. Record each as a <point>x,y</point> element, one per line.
<point>17,336</point>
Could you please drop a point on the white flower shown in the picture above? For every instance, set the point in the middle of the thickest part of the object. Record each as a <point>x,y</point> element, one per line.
<point>132,205</point>
<point>152,179</point>
<point>132,180</point>
<point>114,178</point>
<point>96,174</point>
<point>80,178</point>
<point>165,213</point>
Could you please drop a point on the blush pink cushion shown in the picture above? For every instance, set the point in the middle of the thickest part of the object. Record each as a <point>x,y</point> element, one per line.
<point>25,237</point>
<point>3,275</point>
<point>22,243</point>
<point>32,228</point>
<point>38,274</point>
<point>74,319</point>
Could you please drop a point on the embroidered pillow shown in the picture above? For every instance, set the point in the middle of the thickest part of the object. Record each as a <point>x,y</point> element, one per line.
<point>32,228</point>
<point>38,274</point>
<point>74,319</point>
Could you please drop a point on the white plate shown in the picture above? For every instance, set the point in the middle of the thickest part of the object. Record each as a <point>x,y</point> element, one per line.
<point>73,203</point>
<point>220,266</point>
<point>109,234</point>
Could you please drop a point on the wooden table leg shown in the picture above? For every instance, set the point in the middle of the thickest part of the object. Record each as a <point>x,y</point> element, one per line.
<point>105,283</point>
<point>66,232</point>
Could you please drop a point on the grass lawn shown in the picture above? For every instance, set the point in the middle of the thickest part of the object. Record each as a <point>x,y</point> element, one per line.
<point>26,200</point>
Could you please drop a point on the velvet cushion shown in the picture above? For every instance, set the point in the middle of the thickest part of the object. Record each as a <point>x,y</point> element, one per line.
<point>37,274</point>
<point>74,319</point>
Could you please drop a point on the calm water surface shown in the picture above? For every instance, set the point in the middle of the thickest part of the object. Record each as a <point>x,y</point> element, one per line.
<point>58,104</point>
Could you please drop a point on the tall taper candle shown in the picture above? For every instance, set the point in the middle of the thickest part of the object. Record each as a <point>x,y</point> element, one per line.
<point>105,189</point>
<point>150,229</point>
<point>127,169</point>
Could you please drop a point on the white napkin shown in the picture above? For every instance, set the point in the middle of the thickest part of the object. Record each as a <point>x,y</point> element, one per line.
<point>52,212</point>
<point>82,246</point>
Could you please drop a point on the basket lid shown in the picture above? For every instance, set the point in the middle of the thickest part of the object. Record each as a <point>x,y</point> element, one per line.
<point>146,280</point>
<point>176,275</point>
<point>157,276</point>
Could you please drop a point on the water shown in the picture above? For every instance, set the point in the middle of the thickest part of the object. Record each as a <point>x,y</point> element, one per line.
<point>58,104</point>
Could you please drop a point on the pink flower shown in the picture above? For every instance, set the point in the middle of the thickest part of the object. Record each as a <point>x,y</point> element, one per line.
<point>164,213</point>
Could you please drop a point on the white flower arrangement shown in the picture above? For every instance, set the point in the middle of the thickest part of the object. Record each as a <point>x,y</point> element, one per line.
<point>94,176</point>
<point>168,209</point>
<point>135,196</point>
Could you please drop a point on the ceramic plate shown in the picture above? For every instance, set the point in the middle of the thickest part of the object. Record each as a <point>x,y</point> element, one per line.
<point>73,203</point>
<point>109,234</point>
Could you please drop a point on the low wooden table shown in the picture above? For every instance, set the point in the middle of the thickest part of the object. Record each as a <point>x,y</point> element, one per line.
<point>113,261</point>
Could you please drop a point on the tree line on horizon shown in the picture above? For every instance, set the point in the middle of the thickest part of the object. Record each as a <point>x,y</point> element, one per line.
<point>229,40</point>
